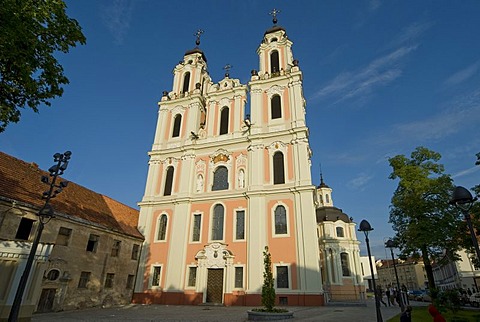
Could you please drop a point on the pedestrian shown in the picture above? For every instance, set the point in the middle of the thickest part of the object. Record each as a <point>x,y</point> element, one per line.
<point>379,295</point>
<point>406,314</point>
<point>437,316</point>
<point>387,293</point>
<point>393,295</point>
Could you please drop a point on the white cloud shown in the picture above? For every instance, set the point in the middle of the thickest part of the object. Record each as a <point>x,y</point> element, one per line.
<point>410,34</point>
<point>379,72</point>
<point>460,113</point>
<point>117,16</point>
<point>463,74</point>
<point>359,182</point>
<point>466,172</point>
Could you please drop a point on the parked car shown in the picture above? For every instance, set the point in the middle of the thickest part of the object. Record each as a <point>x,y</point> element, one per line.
<point>475,300</point>
<point>424,297</point>
<point>412,294</point>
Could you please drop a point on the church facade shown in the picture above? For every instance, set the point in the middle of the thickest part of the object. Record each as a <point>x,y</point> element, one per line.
<point>223,184</point>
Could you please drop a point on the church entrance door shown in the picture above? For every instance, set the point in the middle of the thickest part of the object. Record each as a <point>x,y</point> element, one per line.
<point>215,285</point>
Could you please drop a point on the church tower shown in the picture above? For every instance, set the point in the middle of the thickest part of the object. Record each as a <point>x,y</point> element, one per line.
<point>222,185</point>
<point>339,250</point>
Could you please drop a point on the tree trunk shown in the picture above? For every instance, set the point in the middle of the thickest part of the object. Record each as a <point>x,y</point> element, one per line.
<point>428,271</point>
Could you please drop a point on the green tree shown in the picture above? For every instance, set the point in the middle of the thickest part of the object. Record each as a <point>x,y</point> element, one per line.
<point>31,33</point>
<point>268,288</point>
<point>424,222</point>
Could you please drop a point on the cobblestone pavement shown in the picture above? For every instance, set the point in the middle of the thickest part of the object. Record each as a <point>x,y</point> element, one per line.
<point>152,313</point>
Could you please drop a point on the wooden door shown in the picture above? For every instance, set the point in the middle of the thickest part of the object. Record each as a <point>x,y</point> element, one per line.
<point>46,300</point>
<point>215,286</point>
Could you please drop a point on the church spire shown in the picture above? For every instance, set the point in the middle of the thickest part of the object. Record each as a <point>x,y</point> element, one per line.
<point>274,14</point>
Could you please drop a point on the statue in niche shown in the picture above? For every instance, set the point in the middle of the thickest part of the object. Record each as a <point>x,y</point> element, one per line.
<point>241,179</point>
<point>199,183</point>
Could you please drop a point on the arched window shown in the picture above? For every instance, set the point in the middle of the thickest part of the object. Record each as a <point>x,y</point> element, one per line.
<point>340,232</point>
<point>332,265</point>
<point>274,62</point>
<point>53,274</point>
<point>168,182</point>
<point>280,220</point>
<point>224,121</point>
<point>276,107</point>
<point>327,198</point>
<point>217,222</point>
<point>220,179</point>
<point>176,125</point>
<point>162,227</point>
<point>278,168</point>
<point>345,266</point>
<point>186,81</point>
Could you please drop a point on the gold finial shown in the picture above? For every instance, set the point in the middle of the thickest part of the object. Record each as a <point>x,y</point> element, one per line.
<point>198,34</point>
<point>227,68</point>
<point>274,14</point>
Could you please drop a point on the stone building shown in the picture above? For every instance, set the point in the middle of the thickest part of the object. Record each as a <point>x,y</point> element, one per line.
<point>88,253</point>
<point>224,182</point>
<point>411,273</point>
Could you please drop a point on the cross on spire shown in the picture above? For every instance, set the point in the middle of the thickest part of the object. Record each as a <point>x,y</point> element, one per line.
<point>274,14</point>
<point>198,34</point>
<point>227,68</point>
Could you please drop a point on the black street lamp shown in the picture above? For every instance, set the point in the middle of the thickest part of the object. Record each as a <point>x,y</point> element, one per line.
<point>391,244</point>
<point>463,200</point>
<point>366,228</point>
<point>44,215</point>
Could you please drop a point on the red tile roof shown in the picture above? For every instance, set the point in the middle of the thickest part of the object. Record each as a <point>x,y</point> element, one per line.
<point>20,181</point>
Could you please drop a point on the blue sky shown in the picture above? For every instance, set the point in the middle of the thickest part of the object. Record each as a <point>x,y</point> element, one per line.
<point>380,78</point>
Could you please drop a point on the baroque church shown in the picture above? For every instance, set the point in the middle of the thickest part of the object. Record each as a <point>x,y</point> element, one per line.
<point>223,184</point>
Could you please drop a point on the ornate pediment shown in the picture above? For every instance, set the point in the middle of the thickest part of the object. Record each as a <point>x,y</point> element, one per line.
<point>220,156</point>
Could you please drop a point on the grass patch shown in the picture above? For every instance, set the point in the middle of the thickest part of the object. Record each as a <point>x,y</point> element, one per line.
<point>420,313</point>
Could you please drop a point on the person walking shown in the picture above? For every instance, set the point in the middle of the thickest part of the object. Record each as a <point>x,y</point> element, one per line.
<point>379,294</point>
<point>387,293</point>
<point>406,314</point>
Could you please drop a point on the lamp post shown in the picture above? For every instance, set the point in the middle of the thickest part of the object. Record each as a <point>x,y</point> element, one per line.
<point>44,215</point>
<point>391,244</point>
<point>366,228</point>
<point>463,200</point>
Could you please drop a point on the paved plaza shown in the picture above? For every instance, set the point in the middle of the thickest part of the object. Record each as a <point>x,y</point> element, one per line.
<point>150,313</point>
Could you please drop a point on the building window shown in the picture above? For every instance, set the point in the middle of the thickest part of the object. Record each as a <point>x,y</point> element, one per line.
<point>156,275</point>
<point>186,81</point>
<point>238,277</point>
<point>278,168</point>
<point>116,248</point>
<point>176,125</point>
<point>168,182</point>
<point>217,222</point>
<point>109,280</point>
<point>162,227</point>
<point>345,266</point>
<point>92,243</point>
<point>224,120</point>
<point>282,277</point>
<point>24,229</point>
<point>280,220</point>
<point>192,276</point>
<point>340,232</point>
<point>274,62</point>
<point>197,223</point>
<point>53,274</point>
<point>276,107</point>
<point>84,279</point>
<point>130,279</point>
<point>220,179</point>
<point>240,224</point>
<point>135,251</point>
<point>63,237</point>
<point>327,198</point>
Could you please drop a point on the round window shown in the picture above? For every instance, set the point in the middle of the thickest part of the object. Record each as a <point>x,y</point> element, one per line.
<point>53,274</point>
